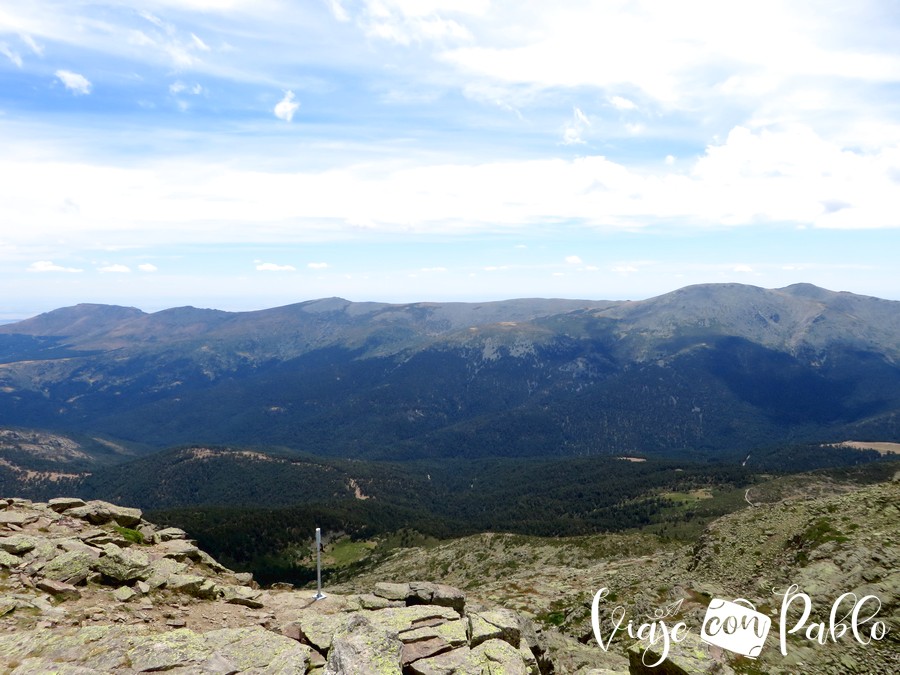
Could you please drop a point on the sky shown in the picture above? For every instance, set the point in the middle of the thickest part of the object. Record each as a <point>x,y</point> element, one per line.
<point>243,154</point>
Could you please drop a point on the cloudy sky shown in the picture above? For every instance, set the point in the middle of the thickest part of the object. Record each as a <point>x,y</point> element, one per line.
<point>242,154</point>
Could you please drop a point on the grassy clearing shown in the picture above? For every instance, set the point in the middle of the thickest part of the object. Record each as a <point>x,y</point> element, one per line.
<point>346,552</point>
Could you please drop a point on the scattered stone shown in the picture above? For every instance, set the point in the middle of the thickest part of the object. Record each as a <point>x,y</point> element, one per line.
<point>246,578</point>
<point>192,584</point>
<point>168,533</point>
<point>242,595</point>
<point>124,594</point>
<point>178,549</point>
<point>58,589</point>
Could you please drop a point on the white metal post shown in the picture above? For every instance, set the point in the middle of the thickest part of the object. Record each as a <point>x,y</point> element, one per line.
<point>319,595</point>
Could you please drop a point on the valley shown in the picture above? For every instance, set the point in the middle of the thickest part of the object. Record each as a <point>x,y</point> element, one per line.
<point>721,440</point>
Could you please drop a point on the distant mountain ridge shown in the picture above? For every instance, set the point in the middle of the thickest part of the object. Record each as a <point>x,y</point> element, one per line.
<point>708,369</point>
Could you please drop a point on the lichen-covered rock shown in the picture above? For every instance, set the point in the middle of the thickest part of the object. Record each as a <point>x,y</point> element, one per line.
<point>690,656</point>
<point>17,544</point>
<point>16,518</point>
<point>430,593</point>
<point>242,595</point>
<point>174,592</point>
<point>494,657</point>
<point>178,549</point>
<point>163,568</point>
<point>168,533</point>
<point>8,560</point>
<point>501,624</point>
<point>124,594</point>
<point>58,589</point>
<point>72,567</point>
<point>364,647</point>
<point>318,629</point>
<point>98,512</point>
<point>60,504</point>
<point>122,565</point>
<point>127,650</point>
<point>392,591</point>
<point>192,584</point>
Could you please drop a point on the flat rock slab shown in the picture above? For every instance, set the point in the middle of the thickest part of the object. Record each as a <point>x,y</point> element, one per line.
<point>133,649</point>
<point>58,589</point>
<point>494,657</point>
<point>15,517</point>
<point>61,504</point>
<point>169,533</point>
<point>242,595</point>
<point>178,549</point>
<point>17,544</point>
<point>98,512</point>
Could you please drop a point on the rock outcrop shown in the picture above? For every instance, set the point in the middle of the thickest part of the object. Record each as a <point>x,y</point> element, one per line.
<point>91,587</point>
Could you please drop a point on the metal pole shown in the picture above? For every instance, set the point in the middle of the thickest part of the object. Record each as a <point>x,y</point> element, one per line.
<point>319,595</point>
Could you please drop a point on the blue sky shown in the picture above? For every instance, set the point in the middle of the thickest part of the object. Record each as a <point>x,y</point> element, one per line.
<point>244,154</point>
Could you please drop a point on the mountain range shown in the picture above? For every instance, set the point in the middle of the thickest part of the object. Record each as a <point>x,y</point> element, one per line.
<point>713,370</point>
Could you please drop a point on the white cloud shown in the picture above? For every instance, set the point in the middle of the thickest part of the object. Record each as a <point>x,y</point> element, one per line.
<point>317,265</point>
<point>573,260</point>
<point>286,107</point>
<point>744,269</point>
<point>438,270</point>
<point>34,46</point>
<point>272,267</point>
<point>575,128</point>
<point>620,103</point>
<point>625,269</point>
<point>77,84</point>
<point>337,9</point>
<point>405,22</point>
<point>49,266</point>
<point>670,160</point>
<point>11,54</point>
<point>114,269</point>
<point>199,44</point>
<point>179,87</point>
<point>784,176</point>
<point>147,267</point>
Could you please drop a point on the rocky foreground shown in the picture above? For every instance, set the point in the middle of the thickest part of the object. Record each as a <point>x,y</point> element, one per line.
<point>93,588</point>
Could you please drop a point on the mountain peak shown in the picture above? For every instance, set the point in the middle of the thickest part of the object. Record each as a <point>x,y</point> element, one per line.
<point>74,320</point>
